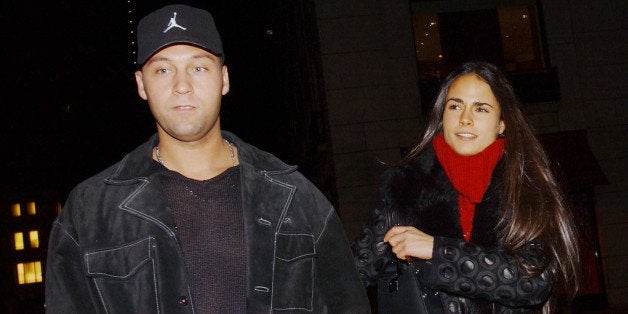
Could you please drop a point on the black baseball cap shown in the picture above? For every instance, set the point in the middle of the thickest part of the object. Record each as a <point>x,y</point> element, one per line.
<point>177,24</point>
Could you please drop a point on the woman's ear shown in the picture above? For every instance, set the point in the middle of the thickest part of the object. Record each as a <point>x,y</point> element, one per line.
<point>502,127</point>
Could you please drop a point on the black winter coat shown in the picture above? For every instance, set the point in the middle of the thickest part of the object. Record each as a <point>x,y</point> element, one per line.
<point>468,277</point>
<point>115,247</point>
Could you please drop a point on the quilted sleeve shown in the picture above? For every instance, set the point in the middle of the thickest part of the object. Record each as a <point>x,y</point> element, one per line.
<point>371,254</point>
<point>465,269</point>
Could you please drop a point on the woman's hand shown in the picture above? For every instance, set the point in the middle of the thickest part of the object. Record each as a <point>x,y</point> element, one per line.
<point>409,242</point>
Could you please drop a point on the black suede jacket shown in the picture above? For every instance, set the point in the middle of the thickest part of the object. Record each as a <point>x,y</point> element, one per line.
<point>114,247</point>
<point>467,277</point>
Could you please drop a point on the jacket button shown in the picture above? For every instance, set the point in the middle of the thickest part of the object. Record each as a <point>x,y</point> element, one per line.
<point>183,300</point>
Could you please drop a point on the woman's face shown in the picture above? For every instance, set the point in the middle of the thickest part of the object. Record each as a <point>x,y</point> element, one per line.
<point>471,118</point>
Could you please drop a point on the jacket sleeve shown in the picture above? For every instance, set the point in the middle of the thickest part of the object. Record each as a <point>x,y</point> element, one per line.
<point>371,254</point>
<point>469,270</point>
<point>337,279</point>
<point>65,283</point>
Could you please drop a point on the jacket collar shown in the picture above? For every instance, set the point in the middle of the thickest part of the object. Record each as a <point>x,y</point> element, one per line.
<point>425,197</point>
<point>423,176</point>
<point>139,163</point>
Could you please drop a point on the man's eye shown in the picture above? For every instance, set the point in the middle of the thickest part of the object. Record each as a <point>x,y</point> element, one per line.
<point>200,69</point>
<point>161,71</point>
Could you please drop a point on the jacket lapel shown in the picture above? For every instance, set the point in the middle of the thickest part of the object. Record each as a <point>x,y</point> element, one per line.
<point>138,185</point>
<point>147,202</point>
<point>265,202</point>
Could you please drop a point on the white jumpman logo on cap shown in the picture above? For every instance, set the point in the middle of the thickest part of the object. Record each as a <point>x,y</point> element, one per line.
<point>173,23</point>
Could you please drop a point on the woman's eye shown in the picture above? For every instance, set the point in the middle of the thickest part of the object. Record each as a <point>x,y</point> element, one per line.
<point>454,106</point>
<point>200,69</point>
<point>481,109</point>
<point>161,71</point>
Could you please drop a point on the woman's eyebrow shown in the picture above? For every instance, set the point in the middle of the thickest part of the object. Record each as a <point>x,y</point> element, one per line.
<point>478,103</point>
<point>455,99</point>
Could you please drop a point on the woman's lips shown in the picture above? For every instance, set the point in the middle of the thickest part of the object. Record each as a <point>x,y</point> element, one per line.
<point>466,135</point>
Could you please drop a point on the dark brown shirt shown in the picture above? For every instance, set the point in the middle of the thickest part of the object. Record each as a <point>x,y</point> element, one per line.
<point>210,228</point>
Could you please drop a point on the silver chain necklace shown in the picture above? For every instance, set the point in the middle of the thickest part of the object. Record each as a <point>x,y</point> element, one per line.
<point>229,144</point>
<point>187,188</point>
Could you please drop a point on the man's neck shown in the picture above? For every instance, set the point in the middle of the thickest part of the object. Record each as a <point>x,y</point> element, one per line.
<point>200,160</point>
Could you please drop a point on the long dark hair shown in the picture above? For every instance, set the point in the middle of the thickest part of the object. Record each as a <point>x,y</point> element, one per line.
<point>533,208</point>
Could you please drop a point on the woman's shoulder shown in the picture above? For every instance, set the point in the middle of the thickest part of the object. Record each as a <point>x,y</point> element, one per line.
<point>423,173</point>
<point>422,165</point>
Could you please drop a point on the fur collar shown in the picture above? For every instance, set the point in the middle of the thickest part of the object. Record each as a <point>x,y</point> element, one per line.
<point>426,199</point>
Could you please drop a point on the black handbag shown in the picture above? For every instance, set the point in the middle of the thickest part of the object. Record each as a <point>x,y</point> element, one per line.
<point>399,290</point>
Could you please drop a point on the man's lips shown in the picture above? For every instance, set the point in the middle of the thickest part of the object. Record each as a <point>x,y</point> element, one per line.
<point>184,107</point>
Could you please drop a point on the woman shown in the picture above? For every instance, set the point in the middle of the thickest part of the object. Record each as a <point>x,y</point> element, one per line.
<point>481,213</point>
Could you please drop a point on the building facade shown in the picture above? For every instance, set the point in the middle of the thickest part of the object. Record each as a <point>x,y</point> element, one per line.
<point>375,89</point>
<point>25,225</point>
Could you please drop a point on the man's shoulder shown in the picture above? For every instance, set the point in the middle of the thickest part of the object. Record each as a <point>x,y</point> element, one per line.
<point>100,177</point>
<point>134,164</point>
<point>95,183</point>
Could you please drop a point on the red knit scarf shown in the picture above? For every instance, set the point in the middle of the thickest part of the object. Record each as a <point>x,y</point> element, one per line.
<point>470,176</point>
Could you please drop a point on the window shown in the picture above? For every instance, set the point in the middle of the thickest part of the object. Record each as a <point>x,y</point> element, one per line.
<point>519,36</point>
<point>507,33</point>
<point>16,210</point>
<point>427,43</point>
<point>29,272</point>
<point>448,33</point>
<point>59,207</point>
<point>19,241</point>
<point>34,237</point>
<point>30,208</point>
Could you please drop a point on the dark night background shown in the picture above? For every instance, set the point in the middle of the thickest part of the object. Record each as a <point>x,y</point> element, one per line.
<point>70,107</point>
<point>69,104</point>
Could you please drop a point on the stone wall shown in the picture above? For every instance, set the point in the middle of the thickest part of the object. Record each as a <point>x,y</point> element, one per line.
<point>587,43</point>
<point>372,94</point>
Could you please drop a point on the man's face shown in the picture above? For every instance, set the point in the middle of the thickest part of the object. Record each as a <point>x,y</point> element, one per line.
<point>471,118</point>
<point>184,86</point>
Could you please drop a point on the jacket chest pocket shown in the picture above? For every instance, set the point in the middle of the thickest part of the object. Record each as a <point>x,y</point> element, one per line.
<point>125,277</point>
<point>293,277</point>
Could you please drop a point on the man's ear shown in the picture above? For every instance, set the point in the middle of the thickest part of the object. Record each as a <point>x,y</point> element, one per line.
<point>225,80</point>
<point>140,85</point>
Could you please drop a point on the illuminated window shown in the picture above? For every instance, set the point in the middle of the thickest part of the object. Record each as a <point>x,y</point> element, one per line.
<point>510,35</point>
<point>450,32</point>
<point>20,274</point>
<point>30,208</point>
<point>16,210</point>
<point>29,272</point>
<point>34,237</point>
<point>519,36</point>
<point>428,46</point>
<point>19,241</point>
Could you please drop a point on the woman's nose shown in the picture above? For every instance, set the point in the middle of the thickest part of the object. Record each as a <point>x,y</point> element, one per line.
<point>466,118</point>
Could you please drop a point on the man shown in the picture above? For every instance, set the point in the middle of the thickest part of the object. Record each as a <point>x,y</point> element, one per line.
<point>195,220</point>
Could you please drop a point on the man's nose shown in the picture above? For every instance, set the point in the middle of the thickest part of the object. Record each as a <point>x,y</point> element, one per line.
<point>182,83</point>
